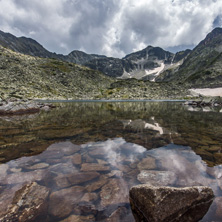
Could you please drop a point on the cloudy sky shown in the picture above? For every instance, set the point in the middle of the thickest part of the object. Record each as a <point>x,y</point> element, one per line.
<point>111,27</point>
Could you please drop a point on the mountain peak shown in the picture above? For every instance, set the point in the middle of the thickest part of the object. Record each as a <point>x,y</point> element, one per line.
<point>214,36</point>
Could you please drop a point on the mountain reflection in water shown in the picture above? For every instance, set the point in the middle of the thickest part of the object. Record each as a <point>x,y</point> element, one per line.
<point>89,155</point>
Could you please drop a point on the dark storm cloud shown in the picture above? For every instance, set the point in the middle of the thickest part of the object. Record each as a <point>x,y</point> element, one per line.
<point>110,27</point>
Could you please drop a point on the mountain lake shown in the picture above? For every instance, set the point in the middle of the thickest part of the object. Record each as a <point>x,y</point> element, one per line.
<point>87,155</point>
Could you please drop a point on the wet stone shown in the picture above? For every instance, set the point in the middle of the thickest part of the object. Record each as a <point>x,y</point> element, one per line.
<point>28,203</point>
<point>15,170</point>
<point>219,181</point>
<point>61,181</point>
<point>98,152</point>
<point>218,202</point>
<point>101,162</point>
<point>52,154</point>
<point>123,168</point>
<point>67,148</point>
<point>63,168</point>
<point>6,197</point>
<point>79,178</point>
<point>88,197</point>
<point>54,161</point>
<point>78,218</point>
<point>84,208</point>
<point>116,173</point>
<point>157,178</point>
<point>97,184</point>
<point>62,202</point>
<point>118,215</point>
<point>77,159</point>
<point>94,167</point>
<point>38,166</point>
<point>114,192</point>
<point>147,163</point>
<point>133,165</point>
<point>71,150</point>
<point>23,177</point>
<point>89,159</point>
<point>3,169</point>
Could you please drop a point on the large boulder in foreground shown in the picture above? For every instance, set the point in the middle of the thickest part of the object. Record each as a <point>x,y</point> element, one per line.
<point>169,204</point>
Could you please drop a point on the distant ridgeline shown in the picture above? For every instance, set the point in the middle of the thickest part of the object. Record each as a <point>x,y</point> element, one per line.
<point>200,67</point>
<point>145,64</point>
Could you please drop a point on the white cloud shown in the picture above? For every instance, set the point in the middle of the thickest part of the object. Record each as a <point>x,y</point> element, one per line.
<point>111,27</point>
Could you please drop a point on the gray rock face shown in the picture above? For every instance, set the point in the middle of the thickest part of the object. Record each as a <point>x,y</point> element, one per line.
<point>28,203</point>
<point>168,204</point>
<point>202,66</point>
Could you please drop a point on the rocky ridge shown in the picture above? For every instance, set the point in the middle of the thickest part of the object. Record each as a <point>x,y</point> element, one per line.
<point>25,77</point>
<point>28,77</point>
<point>202,66</point>
<point>144,64</point>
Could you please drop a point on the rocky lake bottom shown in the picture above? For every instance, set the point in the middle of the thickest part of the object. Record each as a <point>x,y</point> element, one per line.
<point>79,160</point>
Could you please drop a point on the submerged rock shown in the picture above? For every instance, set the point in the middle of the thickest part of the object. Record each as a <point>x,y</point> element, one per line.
<point>38,166</point>
<point>98,184</point>
<point>168,204</point>
<point>82,177</point>
<point>62,202</point>
<point>63,181</point>
<point>3,170</point>
<point>77,159</point>
<point>6,197</point>
<point>78,218</point>
<point>94,167</point>
<point>23,177</point>
<point>156,178</point>
<point>114,192</point>
<point>147,164</point>
<point>218,201</point>
<point>118,215</point>
<point>88,197</point>
<point>28,204</point>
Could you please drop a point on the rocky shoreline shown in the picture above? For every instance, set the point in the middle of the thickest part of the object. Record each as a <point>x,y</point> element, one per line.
<point>205,101</point>
<point>20,107</point>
